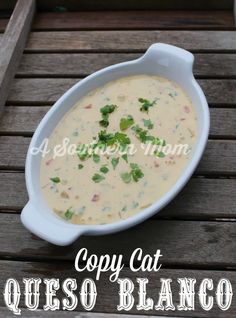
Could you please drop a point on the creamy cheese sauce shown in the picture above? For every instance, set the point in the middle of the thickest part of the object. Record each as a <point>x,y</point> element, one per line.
<point>68,183</point>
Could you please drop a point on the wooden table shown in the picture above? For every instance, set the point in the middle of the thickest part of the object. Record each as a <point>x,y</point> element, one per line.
<point>197,232</point>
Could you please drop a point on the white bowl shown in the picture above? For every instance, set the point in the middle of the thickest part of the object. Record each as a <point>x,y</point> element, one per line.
<point>160,59</point>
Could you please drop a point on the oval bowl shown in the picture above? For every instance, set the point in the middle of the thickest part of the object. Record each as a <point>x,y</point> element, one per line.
<point>160,59</point>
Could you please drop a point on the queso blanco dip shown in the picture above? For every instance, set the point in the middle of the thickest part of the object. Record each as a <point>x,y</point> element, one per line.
<point>89,187</point>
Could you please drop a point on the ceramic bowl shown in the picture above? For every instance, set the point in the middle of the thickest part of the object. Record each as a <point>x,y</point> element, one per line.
<point>160,59</point>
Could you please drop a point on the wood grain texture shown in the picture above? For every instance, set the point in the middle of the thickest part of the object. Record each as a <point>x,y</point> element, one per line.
<point>127,20</point>
<point>13,43</point>
<point>108,293</point>
<point>223,122</point>
<point>202,198</point>
<point>46,91</point>
<point>23,120</point>
<point>127,41</point>
<point>74,5</point>
<point>130,20</point>
<point>219,157</point>
<point>81,64</point>
<point>214,241</point>
<point>197,230</point>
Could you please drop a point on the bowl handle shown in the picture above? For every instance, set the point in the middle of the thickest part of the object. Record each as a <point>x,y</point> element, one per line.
<point>170,56</point>
<point>48,227</point>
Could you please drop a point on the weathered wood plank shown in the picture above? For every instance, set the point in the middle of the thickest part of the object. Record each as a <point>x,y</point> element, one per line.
<point>121,41</point>
<point>13,43</point>
<point>38,91</point>
<point>108,296</point>
<point>128,20</point>
<point>74,5</point>
<point>215,242</point>
<point>223,122</point>
<point>201,198</point>
<point>131,20</point>
<point>81,64</point>
<point>13,152</point>
<point>219,157</point>
<point>23,120</point>
<point>46,91</point>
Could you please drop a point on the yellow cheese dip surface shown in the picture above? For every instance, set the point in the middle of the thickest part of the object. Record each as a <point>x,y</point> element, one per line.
<point>68,183</point>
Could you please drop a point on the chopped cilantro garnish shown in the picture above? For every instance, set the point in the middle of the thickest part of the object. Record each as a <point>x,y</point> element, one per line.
<point>140,133</point>
<point>125,123</point>
<point>104,122</point>
<point>105,138</point>
<point>163,143</point>
<point>122,139</point>
<point>97,178</point>
<point>83,152</point>
<point>134,166</point>
<point>143,136</point>
<point>159,142</point>
<point>109,139</point>
<point>147,123</point>
<point>126,177</point>
<point>145,104</point>
<point>68,214</point>
<point>114,162</point>
<point>105,111</point>
<point>171,95</point>
<point>160,154</point>
<point>135,174</point>
<point>55,180</point>
<point>125,157</point>
<point>75,134</point>
<point>80,166</point>
<point>135,204</point>
<point>104,169</point>
<point>96,158</point>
